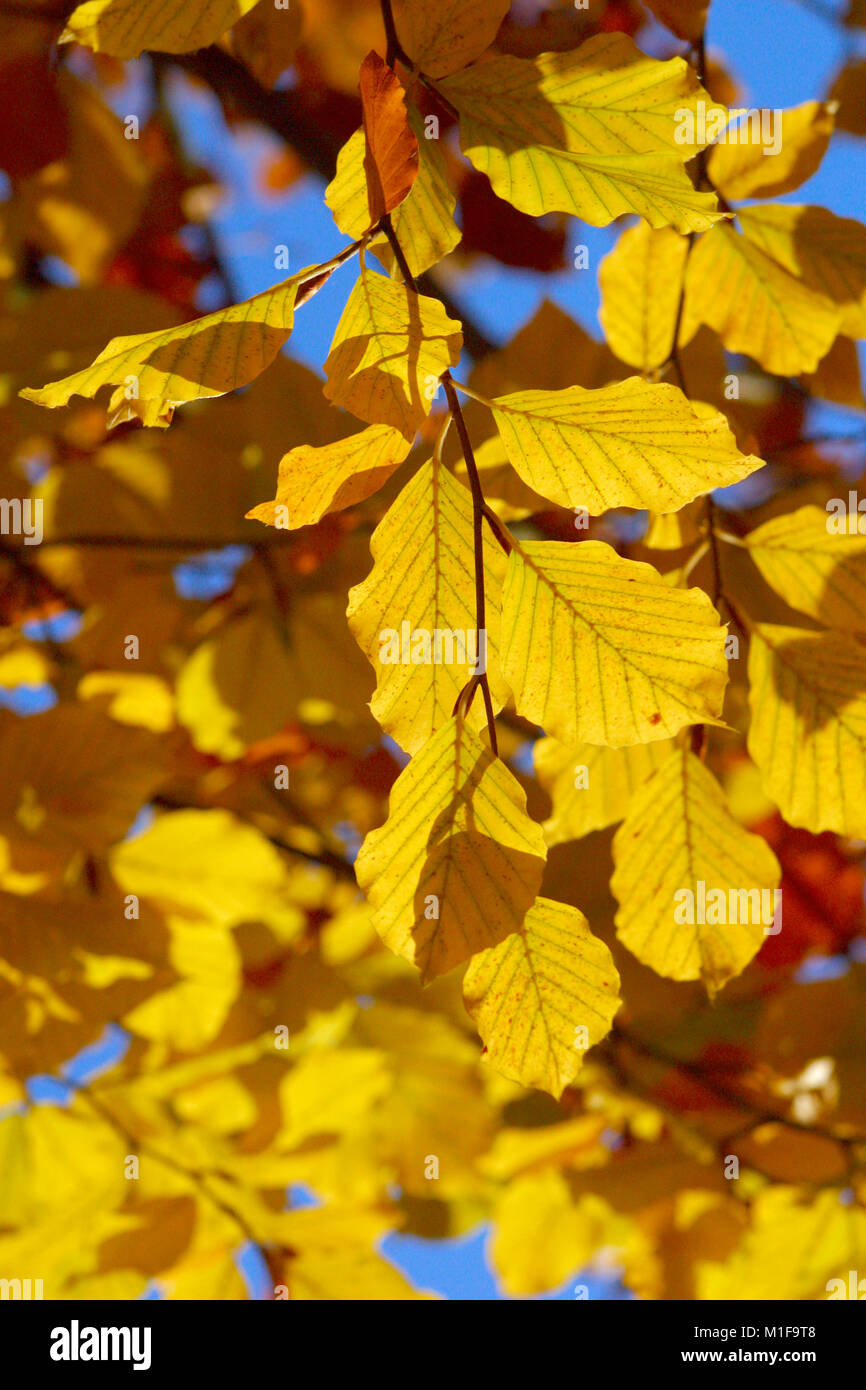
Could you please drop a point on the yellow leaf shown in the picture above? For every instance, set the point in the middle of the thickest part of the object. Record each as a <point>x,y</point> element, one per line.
<point>391,148</point>
<point>827,253</point>
<point>414,614</point>
<point>424,223</point>
<point>208,864</point>
<point>677,836</point>
<point>755,305</point>
<point>144,701</point>
<point>591,132</point>
<point>543,996</point>
<point>191,1012</point>
<point>154,372</point>
<point>640,284</point>
<point>313,482</point>
<point>443,37</point>
<point>250,679</point>
<point>799,1246</point>
<point>541,1236</point>
<point>675,530</point>
<point>591,787</point>
<point>612,654</point>
<point>813,568</point>
<point>331,1091</point>
<point>458,863</point>
<point>631,444</point>
<point>124,28</point>
<point>808,729</point>
<point>743,167</point>
<point>389,351</point>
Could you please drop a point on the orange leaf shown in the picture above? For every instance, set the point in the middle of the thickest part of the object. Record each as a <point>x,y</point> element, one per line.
<point>391,158</point>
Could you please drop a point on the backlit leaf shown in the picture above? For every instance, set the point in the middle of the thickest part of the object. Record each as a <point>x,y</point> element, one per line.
<point>826,252</point>
<point>124,28</point>
<point>414,614</point>
<point>632,444</point>
<point>155,372</point>
<point>423,223</point>
<point>391,149</point>
<point>746,168</point>
<point>678,834</point>
<point>640,283</point>
<point>592,133</point>
<point>814,568</point>
<point>808,729</point>
<point>542,996</point>
<point>389,351</point>
<point>613,655</point>
<point>755,305</point>
<point>458,863</point>
<point>313,482</point>
<point>591,787</point>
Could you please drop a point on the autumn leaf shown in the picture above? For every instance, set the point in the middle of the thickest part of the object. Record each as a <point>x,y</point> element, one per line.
<point>677,844</point>
<point>827,253</point>
<point>591,787</point>
<point>808,725</point>
<point>755,304</point>
<point>613,655</point>
<point>389,351</point>
<point>632,444</point>
<point>813,567</point>
<point>543,996</point>
<point>153,373</point>
<point>746,168</point>
<point>315,481</point>
<point>423,223</point>
<point>414,614</point>
<point>554,134</point>
<point>124,28</point>
<point>640,282</point>
<point>458,863</point>
<point>391,149</point>
<point>447,36</point>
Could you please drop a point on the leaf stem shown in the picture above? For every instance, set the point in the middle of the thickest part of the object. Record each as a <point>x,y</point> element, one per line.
<point>475,395</point>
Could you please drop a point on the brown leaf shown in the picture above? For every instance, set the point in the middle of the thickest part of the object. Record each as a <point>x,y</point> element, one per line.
<point>391,158</point>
